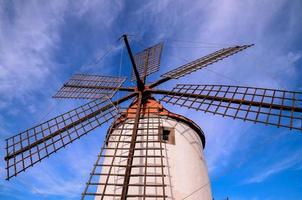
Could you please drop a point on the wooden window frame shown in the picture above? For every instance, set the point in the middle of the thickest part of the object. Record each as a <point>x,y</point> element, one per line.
<point>171,138</point>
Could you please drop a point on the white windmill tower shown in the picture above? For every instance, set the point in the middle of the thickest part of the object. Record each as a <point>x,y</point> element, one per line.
<point>168,161</point>
<point>149,152</point>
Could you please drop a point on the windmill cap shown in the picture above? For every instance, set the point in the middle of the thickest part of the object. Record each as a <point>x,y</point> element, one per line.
<point>155,107</point>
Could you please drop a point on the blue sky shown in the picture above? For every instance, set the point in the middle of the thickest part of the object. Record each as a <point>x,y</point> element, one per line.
<point>42,44</point>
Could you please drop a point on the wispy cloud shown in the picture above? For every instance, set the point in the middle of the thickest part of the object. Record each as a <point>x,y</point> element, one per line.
<point>48,182</point>
<point>31,38</point>
<point>28,38</point>
<point>276,167</point>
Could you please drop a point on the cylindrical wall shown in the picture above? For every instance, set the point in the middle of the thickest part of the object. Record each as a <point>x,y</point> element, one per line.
<point>185,170</point>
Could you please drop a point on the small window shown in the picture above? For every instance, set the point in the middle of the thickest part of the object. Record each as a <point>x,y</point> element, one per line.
<point>167,135</point>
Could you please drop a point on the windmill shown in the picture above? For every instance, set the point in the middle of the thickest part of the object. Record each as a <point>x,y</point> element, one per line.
<point>149,152</point>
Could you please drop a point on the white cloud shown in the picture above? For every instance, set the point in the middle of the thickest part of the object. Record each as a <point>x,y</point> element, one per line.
<point>101,13</point>
<point>28,41</point>
<point>275,168</point>
<point>47,182</point>
<point>294,57</point>
<point>28,38</point>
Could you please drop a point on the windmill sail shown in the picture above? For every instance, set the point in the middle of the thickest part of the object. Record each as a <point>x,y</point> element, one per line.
<point>147,176</point>
<point>204,61</point>
<point>83,86</point>
<point>134,162</point>
<point>31,146</point>
<point>148,61</point>
<point>271,107</point>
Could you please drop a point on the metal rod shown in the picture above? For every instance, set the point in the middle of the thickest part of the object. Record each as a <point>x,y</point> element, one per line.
<point>160,81</point>
<point>146,67</point>
<point>112,161</point>
<point>228,100</point>
<point>199,63</point>
<point>131,149</point>
<point>140,83</point>
<point>100,87</point>
<point>95,167</point>
<point>162,164</point>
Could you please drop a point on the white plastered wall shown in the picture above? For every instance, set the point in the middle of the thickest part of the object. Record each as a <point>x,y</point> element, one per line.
<point>185,166</point>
